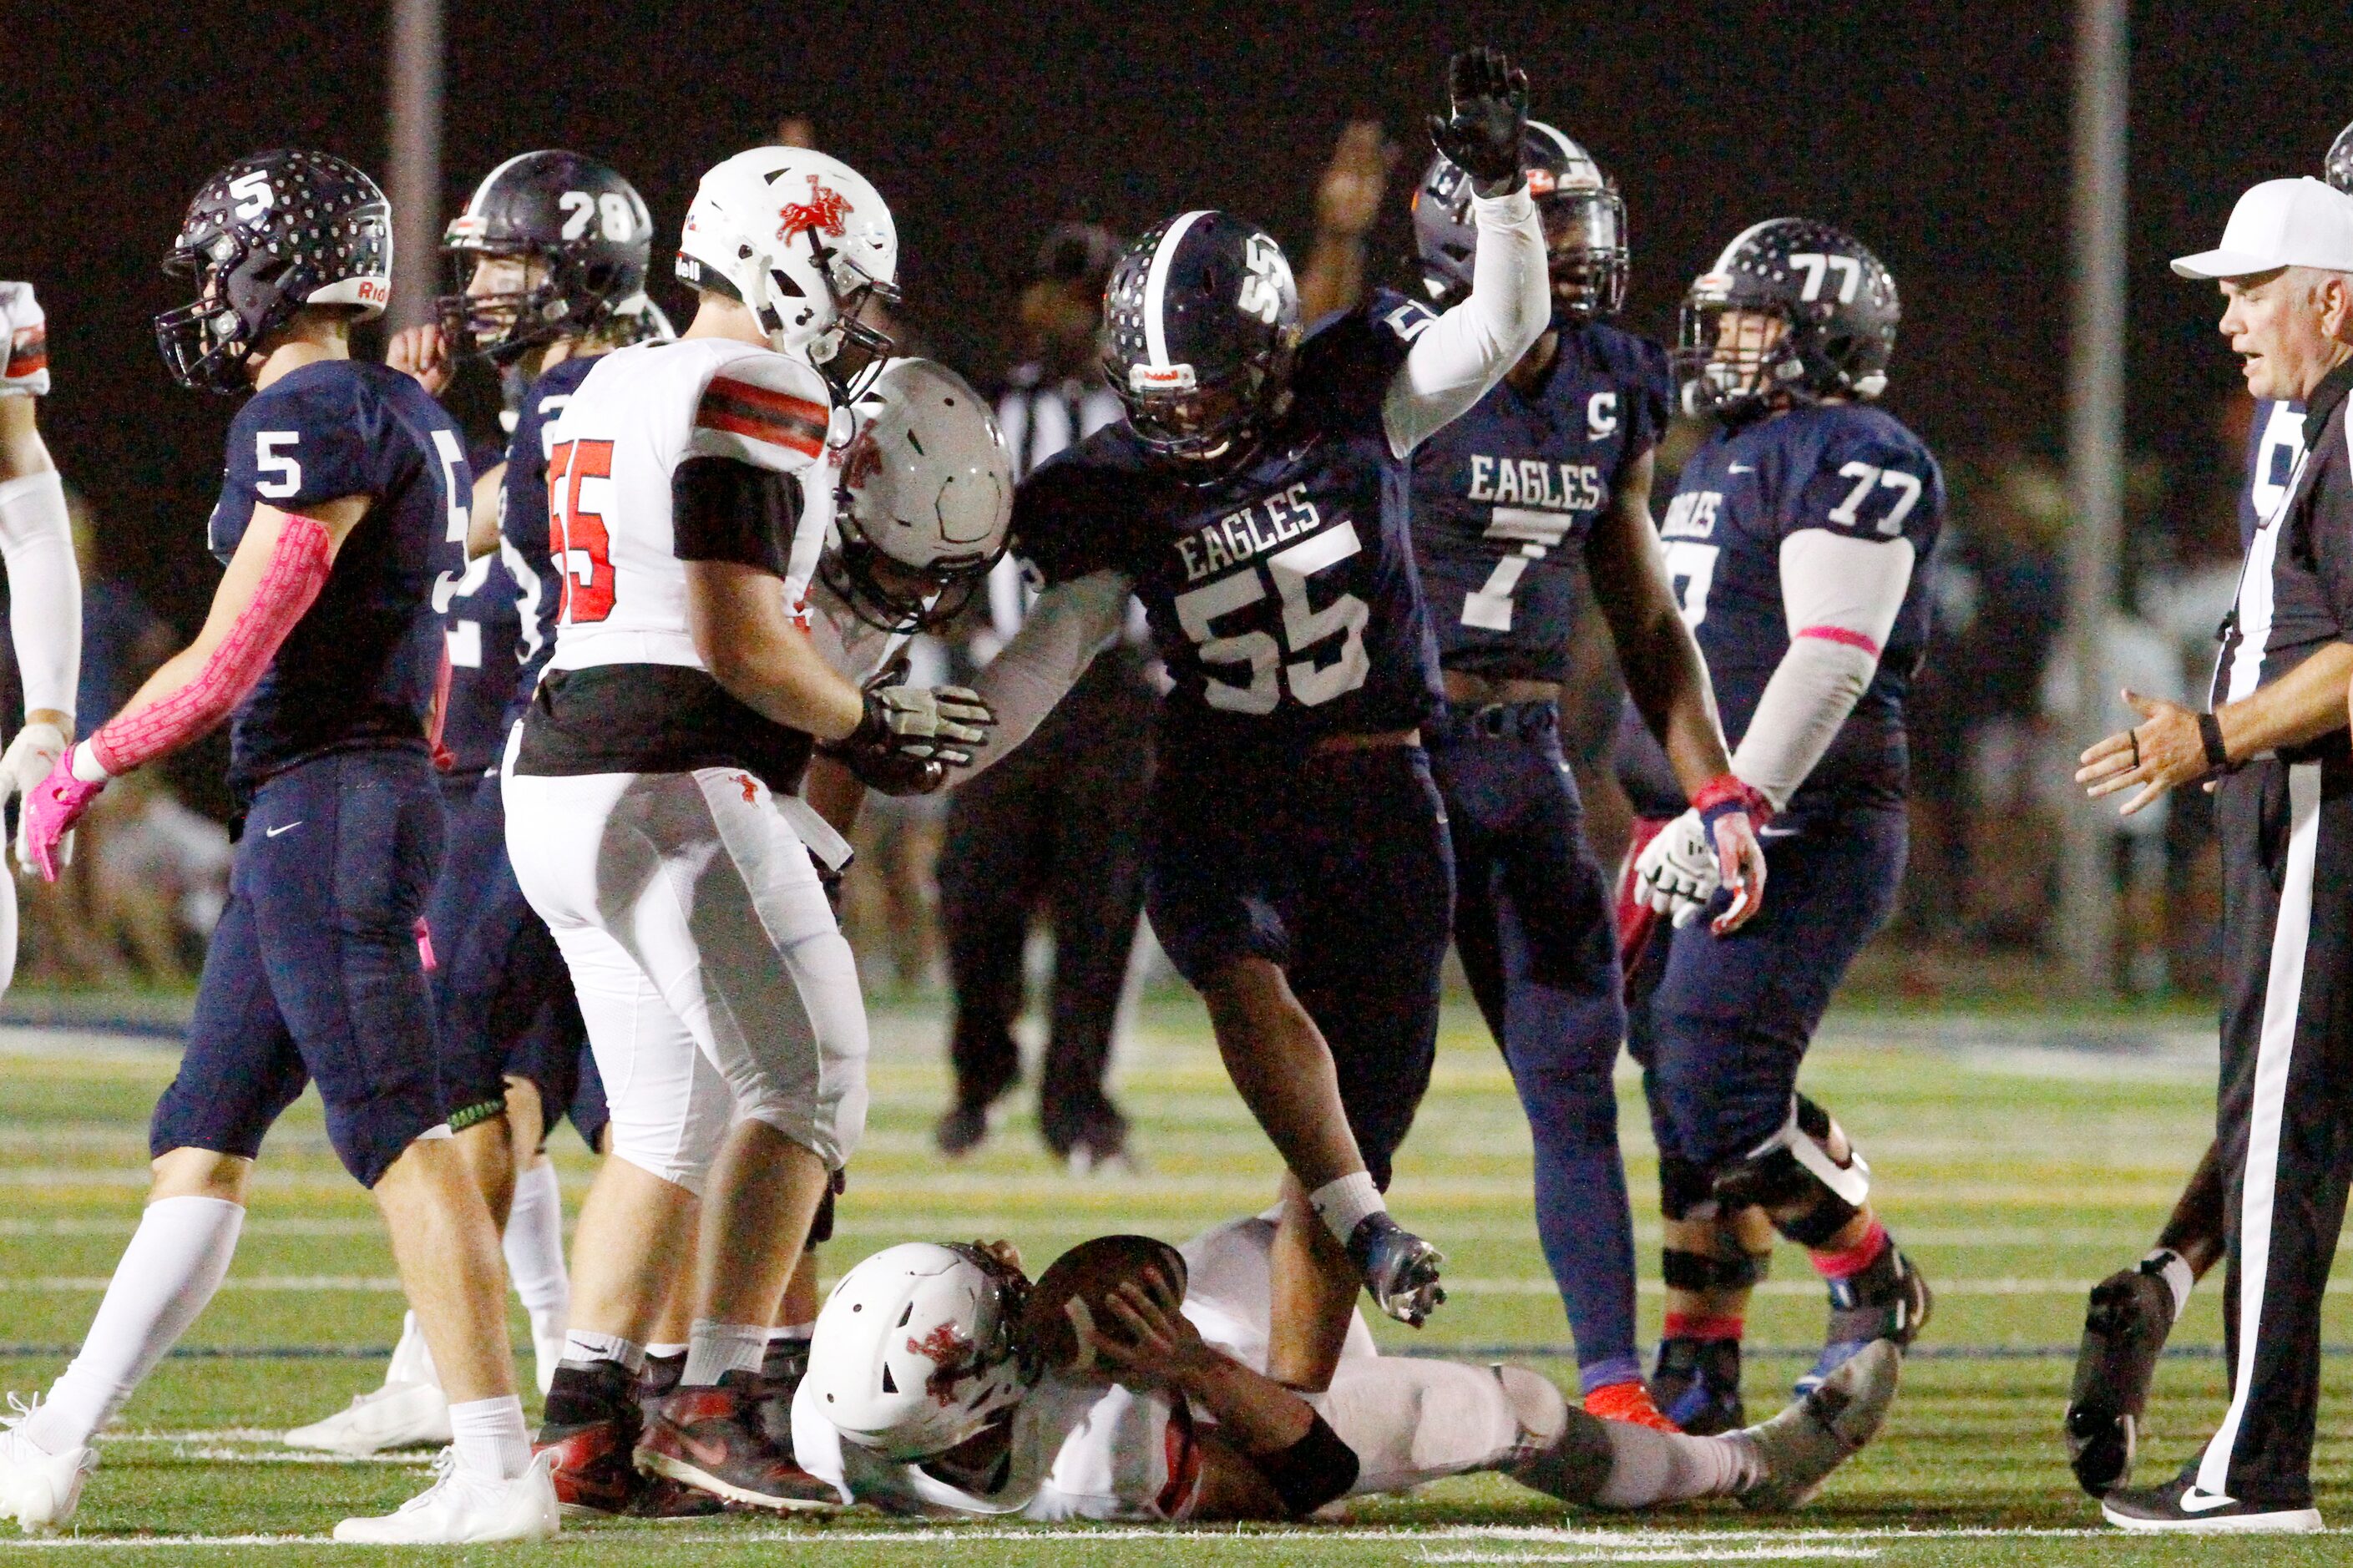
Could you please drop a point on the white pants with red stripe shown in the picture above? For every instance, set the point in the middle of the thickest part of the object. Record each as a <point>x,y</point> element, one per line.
<point>712,979</point>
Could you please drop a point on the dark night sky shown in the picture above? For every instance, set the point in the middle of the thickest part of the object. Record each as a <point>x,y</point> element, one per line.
<point>1937,132</point>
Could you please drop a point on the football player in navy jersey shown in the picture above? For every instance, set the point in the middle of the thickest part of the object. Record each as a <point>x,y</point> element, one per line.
<point>346,490</point>
<point>1256,499</point>
<point>2133,1311</point>
<point>1552,465</point>
<point>1796,542</point>
<point>546,271</point>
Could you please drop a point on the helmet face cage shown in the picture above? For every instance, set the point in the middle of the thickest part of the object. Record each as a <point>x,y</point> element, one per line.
<point>1584,218</point>
<point>264,238</point>
<point>850,570</point>
<point>1836,304</point>
<point>1585,251</point>
<point>852,353</point>
<point>2337,170</point>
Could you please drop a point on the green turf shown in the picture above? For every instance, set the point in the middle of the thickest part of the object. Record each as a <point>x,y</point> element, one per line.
<point>2014,1175</point>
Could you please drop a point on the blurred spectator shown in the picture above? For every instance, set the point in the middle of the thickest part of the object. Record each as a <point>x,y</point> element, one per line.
<point>158,879</point>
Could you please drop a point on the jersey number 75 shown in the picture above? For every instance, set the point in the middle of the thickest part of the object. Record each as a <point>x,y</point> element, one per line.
<point>576,535</point>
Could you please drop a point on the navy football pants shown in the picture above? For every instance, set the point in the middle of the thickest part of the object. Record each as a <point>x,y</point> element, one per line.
<point>1337,869</point>
<point>1722,1033</point>
<point>501,992</point>
<point>1532,922</point>
<point>314,972</point>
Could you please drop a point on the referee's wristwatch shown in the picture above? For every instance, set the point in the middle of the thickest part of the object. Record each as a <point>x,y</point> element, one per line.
<point>2210,731</point>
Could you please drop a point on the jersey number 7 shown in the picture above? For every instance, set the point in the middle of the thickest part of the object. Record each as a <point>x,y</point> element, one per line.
<point>576,536</point>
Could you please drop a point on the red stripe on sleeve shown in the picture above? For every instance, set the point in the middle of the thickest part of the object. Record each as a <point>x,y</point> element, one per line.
<point>1840,635</point>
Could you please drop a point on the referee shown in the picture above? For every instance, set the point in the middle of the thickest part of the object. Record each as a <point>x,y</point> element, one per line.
<point>2284,815</point>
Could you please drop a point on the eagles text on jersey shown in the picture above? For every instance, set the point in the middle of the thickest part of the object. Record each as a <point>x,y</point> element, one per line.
<point>1505,497</point>
<point>1282,596</point>
<point>360,666</point>
<point>1848,467</point>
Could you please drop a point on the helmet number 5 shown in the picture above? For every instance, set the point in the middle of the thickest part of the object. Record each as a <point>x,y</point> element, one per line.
<point>1817,265</point>
<point>1312,682</point>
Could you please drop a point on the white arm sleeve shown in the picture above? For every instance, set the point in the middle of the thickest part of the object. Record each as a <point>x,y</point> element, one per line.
<point>1466,351</point>
<point>1842,596</point>
<point>1067,628</point>
<point>44,589</point>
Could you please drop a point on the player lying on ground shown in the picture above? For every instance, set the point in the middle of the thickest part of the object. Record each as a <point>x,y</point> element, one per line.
<point>2134,1309</point>
<point>44,583</point>
<point>1550,470</point>
<point>346,488</point>
<point>1798,541</point>
<point>1131,1387</point>
<point>920,500</point>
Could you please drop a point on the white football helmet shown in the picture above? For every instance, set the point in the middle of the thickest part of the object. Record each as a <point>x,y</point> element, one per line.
<point>803,240</point>
<point>915,1349</point>
<point>927,487</point>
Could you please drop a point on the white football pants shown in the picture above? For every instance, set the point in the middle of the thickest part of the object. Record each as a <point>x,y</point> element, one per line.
<point>712,979</point>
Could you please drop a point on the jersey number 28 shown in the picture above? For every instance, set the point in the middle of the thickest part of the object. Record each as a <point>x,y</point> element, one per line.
<point>576,535</point>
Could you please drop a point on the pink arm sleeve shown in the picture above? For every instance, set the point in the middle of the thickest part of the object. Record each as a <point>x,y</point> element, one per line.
<point>297,570</point>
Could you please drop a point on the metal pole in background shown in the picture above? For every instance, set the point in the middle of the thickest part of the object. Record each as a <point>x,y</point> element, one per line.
<point>415,80</point>
<point>2096,461</point>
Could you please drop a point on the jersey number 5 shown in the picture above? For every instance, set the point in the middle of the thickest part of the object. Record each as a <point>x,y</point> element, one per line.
<point>1303,626</point>
<point>576,536</point>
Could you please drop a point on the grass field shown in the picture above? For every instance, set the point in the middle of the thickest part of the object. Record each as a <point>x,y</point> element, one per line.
<point>2018,1159</point>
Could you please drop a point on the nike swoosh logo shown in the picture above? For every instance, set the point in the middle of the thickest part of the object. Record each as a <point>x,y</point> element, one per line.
<point>2196,1499</point>
<point>274,832</point>
<point>712,1454</point>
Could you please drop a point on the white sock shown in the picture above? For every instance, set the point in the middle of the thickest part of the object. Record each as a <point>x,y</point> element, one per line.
<point>1647,1466</point>
<point>175,1261</point>
<point>1343,1204</point>
<point>584,1346</point>
<point>665,1352</point>
<point>412,1358</point>
<point>489,1437</point>
<point>715,1350</point>
<point>2177,1275</point>
<point>534,1248</point>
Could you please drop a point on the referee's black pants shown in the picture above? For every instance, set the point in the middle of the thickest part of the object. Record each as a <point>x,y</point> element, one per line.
<point>2285,1115</point>
<point>1059,823</point>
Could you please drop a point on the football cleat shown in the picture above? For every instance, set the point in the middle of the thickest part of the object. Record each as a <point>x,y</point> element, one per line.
<point>1696,1386</point>
<point>2125,1326</point>
<point>1822,1429</point>
<point>2182,1505</point>
<point>782,1366</point>
<point>460,1508</point>
<point>1629,1402</point>
<point>1889,1300</point>
<point>1101,1146</point>
<point>659,1497</point>
<point>711,1439</point>
<point>1400,1269</point>
<point>397,1416</point>
<point>39,1490</point>
<point>962,1128</point>
<point>590,1466</point>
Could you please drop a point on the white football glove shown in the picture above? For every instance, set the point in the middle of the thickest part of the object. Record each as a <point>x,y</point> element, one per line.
<point>27,761</point>
<point>1677,873</point>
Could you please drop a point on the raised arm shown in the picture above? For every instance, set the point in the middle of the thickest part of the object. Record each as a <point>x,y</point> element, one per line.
<point>1466,351</point>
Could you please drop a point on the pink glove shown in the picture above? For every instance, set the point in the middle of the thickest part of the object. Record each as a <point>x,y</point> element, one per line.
<point>52,808</point>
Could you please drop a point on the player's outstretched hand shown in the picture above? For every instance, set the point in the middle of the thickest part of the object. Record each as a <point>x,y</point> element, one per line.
<point>29,758</point>
<point>1158,1344</point>
<point>1678,872</point>
<point>52,808</point>
<point>2160,753</point>
<point>910,735</point>
<point>1740,866</point>
<point>422,352</point>
<point>1486,129</point>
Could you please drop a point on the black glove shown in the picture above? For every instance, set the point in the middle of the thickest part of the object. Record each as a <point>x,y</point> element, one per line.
<point>1485,129</point>
<point>910,735</point>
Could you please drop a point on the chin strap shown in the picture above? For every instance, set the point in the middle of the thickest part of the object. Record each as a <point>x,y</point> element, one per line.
<point>297,572</point>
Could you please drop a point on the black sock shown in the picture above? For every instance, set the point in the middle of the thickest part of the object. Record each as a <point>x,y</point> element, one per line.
<point>581,1393</point>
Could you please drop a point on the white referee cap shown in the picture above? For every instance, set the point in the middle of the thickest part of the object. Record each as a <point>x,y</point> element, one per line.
<point>2281,223</point>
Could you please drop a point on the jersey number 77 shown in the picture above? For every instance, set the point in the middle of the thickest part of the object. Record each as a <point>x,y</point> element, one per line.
<point>576,535</point>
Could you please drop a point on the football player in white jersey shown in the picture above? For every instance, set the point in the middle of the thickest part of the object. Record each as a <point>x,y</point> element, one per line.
<point>641,815</point>
<point>43,584</point>
<point>922,1398</point>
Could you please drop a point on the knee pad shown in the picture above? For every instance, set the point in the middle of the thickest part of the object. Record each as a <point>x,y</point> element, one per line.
<point>1797,1178</point>
<point>1729,1271</point>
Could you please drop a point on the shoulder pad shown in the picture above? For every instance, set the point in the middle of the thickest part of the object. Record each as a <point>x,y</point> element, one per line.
<point>766,410</point>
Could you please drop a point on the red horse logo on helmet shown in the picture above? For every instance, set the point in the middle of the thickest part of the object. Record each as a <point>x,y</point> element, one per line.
<point>822,212</point>
<point>951,1354</point>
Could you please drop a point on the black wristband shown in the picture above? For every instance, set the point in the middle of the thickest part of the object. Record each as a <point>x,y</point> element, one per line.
<point>2210,731</point>
<point>1312,1471</point>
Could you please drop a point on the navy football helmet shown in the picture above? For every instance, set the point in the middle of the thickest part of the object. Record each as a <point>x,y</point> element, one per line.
<point>2338,168</point>
<point>265,237</point>
<point>1201,323</point>
<point>585,226</point>
<point>1793,309</point>
<point>1584,227</point>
